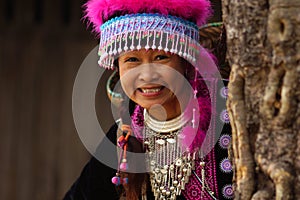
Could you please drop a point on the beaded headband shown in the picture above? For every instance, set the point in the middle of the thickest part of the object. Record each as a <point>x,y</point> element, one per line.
<point>149,31</point>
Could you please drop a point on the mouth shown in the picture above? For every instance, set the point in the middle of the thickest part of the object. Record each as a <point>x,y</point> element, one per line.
<point>151,91</point>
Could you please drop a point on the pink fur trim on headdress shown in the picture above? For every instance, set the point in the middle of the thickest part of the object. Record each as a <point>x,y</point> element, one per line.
<point>99,11</point>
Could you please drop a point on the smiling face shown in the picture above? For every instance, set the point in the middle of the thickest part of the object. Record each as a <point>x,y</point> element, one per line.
<point>154,80</point>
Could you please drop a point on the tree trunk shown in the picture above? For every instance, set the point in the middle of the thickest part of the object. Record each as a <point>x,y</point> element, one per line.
<point>263,39</point>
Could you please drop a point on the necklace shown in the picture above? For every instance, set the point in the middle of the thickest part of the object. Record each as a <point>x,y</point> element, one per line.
<point>170,165</point>
<point>165,126</point>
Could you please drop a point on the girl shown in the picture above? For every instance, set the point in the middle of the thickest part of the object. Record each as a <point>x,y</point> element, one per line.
<point>169,114</point>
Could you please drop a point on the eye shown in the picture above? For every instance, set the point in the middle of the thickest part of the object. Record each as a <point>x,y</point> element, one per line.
<point>132,59</point>
<point>161,57</point>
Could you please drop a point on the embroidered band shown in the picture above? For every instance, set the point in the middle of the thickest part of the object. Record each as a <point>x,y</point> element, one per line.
<point>149,31</point>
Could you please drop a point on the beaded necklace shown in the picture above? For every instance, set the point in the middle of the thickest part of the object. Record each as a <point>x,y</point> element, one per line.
<point>170,164</point>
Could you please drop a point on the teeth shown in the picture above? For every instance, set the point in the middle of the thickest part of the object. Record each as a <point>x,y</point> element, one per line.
<point>152,90</point>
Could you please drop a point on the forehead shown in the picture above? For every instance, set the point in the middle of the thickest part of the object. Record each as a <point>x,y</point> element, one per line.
<point>144,52</point>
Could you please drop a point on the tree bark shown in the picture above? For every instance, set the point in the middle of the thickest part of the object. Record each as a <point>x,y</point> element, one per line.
<point>263,39</point>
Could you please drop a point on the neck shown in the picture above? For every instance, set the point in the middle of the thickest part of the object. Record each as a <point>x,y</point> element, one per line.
<point>169,110</point>
<point>161,113</point>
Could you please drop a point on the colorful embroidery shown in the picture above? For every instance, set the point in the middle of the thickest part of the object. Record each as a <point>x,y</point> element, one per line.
<point>224,116</point>
<point>224,92</point>
<point>194,188</point>
<point>225,166</point>
<point>228,192</point>
<point>224,141</point>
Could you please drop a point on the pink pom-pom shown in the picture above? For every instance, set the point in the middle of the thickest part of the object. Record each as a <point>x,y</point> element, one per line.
<point>116,180</point>
<point>98,11</point>
<point>188,136</point>
<point>123,166</point>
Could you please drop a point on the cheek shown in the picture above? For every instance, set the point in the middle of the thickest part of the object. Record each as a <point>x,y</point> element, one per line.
<point>174,78</point>
<point>127,83</point>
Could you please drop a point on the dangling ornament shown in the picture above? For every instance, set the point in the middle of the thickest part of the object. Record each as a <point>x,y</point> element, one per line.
<point>123,166</point>
<point>171,163</point>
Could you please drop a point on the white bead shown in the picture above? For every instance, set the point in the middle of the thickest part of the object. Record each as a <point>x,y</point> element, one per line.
<point>171,140</point>
<point>160,141</point>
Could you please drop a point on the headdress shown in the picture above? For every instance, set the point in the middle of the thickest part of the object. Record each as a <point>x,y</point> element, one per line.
<point>169,25</point>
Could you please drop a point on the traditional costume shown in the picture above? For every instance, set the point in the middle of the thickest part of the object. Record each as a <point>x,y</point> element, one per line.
<point>186,157</point>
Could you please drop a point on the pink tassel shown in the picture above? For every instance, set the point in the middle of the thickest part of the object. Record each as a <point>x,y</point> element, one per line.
<point>189,135</point>
<point>192,139</point>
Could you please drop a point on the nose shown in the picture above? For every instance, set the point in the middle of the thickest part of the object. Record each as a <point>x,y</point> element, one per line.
<point>148,73</point>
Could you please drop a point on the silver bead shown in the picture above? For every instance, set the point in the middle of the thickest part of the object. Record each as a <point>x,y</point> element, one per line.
<point>163,171</point>
<point>171,140</point>
<point>175,183</point>
<point>168,193</point>
<point>160,141</point>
